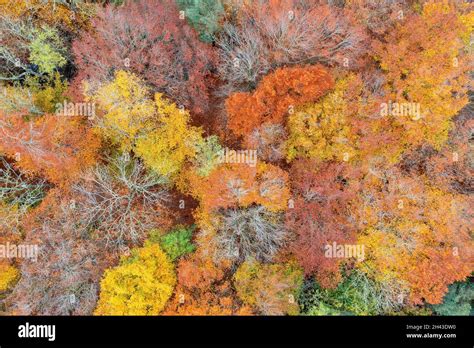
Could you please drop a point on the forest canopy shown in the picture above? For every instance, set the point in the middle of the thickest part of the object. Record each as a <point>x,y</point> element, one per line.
<point>233,157</point>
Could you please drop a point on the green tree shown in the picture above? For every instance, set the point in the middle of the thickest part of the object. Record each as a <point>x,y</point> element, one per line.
<point>204,16</point>
<point>458,300</point>
<point>178,242</point>
<point>357,294</point>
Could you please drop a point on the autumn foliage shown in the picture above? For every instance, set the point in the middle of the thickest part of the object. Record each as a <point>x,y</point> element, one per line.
<point>272,289</point>
<point>276,95</point>
<point>321,216</point>
<point>438,81</point>
<point>413,225</point>
<point>265,35</point>
<point>267,157</point>
<point>55,147</point>
<point>149,39</point>
<point>141,285</point>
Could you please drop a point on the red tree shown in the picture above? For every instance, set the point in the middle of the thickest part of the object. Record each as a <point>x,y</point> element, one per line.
<point>150,39</point>
<point>275,96</point>
<point>320,216</point>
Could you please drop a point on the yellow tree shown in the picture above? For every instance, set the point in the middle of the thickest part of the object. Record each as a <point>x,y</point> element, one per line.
<point>72,16</point>
<point>140,285</point>
<point>8,276</point>
<point>270,288</point>
<point>322,130</point>
<point>128,111</point>
<point>156,130</point>
<point>424,64</point>
<point>167,148</point>
<point>414,233</point>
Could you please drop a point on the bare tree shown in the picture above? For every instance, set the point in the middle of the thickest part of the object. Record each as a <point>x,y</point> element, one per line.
<point>63,279</point>
<point>249,233</point>
<point>18,193</point>
<point>121,200</point>
<point>15,37</point>
<point>267,35</point>
<point>269,141</point>
<point>17,189</point>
